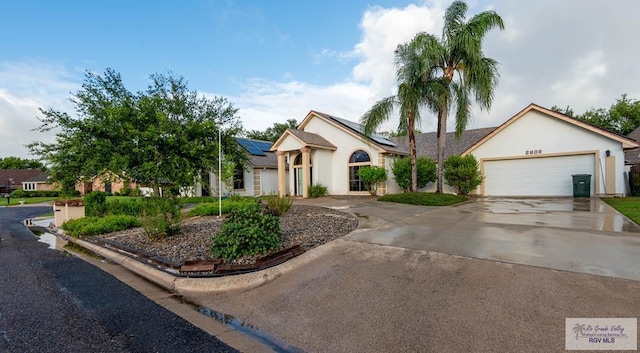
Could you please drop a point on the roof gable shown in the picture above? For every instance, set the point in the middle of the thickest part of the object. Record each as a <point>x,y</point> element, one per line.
<point>382,143</point>
<point>625,141</point>
<point>303,138</point>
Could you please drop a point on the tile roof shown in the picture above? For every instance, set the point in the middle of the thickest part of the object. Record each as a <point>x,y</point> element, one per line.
<point>427,143</point>
<point>311,138</point>
<point>17,176</point>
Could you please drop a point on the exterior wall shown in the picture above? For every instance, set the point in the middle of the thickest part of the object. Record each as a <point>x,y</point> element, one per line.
<point>546,135</point>
<point>323,168</point>
<point>392,187</point>
<point>98,184</point>
<point>338,182</point>
<point>268,181</point>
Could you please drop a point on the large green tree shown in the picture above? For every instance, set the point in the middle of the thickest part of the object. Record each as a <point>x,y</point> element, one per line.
<point>274,132</point>
<point>21,163</point>
<point>622,117</point>
<point>166,134</point>
<point>458,61</point>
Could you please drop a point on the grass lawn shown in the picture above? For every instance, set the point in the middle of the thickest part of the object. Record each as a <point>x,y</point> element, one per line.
<point>628,206</point>
<point>424,198</point>
<point>27,200</point>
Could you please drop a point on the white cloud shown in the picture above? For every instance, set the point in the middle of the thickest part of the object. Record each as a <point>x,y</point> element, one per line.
<point>372,77</point>
<point>26,88</point>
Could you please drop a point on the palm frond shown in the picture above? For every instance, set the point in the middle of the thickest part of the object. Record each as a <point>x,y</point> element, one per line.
<point>463,107</point>
<point>377,115</point>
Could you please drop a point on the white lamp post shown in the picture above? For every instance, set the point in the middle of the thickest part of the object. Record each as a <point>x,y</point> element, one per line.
<point>220,171</point>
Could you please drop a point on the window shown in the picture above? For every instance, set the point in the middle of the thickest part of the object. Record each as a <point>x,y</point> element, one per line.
<point>238,178</point>
<point>358,160</point>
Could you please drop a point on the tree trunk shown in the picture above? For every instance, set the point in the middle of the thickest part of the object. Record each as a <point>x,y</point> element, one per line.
<point>442,141</point>
<point>412,152</point>
<point>156,190</point>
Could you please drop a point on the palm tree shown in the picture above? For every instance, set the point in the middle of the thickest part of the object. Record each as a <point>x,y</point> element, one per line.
<point>578,329</point>
<point>459,62</point>
<point>414,91</point>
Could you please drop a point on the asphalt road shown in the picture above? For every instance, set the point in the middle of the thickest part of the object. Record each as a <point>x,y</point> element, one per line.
<point>52,302</point>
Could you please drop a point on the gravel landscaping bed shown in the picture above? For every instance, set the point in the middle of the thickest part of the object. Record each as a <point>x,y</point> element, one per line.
<point>308,226</point>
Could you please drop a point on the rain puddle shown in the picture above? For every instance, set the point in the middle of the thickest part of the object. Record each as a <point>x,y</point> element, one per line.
<point>242,326</point>
<point>52,240</point>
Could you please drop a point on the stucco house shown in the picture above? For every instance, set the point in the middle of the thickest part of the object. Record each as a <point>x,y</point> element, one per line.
<point>259,177</point>
<point>534,153</point>
<point>328,150</point>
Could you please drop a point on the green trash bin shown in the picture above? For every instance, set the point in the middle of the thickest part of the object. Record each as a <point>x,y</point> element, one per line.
<point>581,185</point>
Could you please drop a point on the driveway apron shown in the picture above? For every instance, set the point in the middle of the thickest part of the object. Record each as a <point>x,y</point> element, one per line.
<point>578,235</point>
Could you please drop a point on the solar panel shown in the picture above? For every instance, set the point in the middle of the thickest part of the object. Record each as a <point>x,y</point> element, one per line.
<point>256,148</point>
<point>357,127</point>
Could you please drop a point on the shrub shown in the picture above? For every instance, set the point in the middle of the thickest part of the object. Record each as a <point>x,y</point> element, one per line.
<point>371,176</point>
<point>247,232</point>
<point>95,204</point>
<point>161,217</point>
<point>317,190</point>
<point>131,207</point>
<point>401,170</point>
<point>211,209</point>
<point>423,198</point>
<point>95,225</point>
<point>18,193</point>
<point>277,205</point>
<point>462,173</point>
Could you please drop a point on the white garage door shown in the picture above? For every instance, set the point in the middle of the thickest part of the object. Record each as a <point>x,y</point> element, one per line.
<point>548,176</point>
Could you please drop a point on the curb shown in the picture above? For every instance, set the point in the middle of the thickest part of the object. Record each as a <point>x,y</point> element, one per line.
<point>186,285</point>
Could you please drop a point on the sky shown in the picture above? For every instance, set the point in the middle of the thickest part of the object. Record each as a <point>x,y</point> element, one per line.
<point>277,60</point>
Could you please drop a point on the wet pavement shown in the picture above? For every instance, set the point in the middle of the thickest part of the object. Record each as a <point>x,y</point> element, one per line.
<point>53,302</point>
<point>578,235</point>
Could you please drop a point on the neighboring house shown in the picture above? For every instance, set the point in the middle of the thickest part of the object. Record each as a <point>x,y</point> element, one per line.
<point>14,179</point>
<point>534,153</point>
<point>40,182</point>
<point>106,182</point>
<point>328,150</point>
<point>632,156</point>
<point>258,177</point>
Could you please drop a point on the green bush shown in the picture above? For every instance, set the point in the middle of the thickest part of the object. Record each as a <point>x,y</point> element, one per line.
<point>401,170</point>
<point>19,193</point>
<point>131,207</point>
<point>161,217</point>
<point>462,173</point>
<point>95,204</point>
<point>247,232</point>
<point>423,198</point>
<point>96,225</point>
<point>211,209</point>
<point>277,205</point>
<point>317,190</point>
<point>371,176</point>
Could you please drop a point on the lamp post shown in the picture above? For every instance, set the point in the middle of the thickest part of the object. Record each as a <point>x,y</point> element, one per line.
<point>220,171</point>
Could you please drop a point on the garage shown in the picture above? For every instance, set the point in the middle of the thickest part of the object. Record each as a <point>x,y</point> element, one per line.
<point>542,176</point>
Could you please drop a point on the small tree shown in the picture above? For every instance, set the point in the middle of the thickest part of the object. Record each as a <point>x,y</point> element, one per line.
<point>371,176</point>
<point>401,170</point>
<point>462,173</point>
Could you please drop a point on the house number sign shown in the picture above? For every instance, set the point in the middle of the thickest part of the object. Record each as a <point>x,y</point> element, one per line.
<point>539,151</point>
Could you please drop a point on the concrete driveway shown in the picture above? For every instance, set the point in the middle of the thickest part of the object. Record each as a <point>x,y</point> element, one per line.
<point>358,294</point>
<point>579,235</point>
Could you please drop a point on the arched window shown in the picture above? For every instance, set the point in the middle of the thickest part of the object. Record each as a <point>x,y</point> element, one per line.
<point>358,160</point>
<point>297,174</point>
